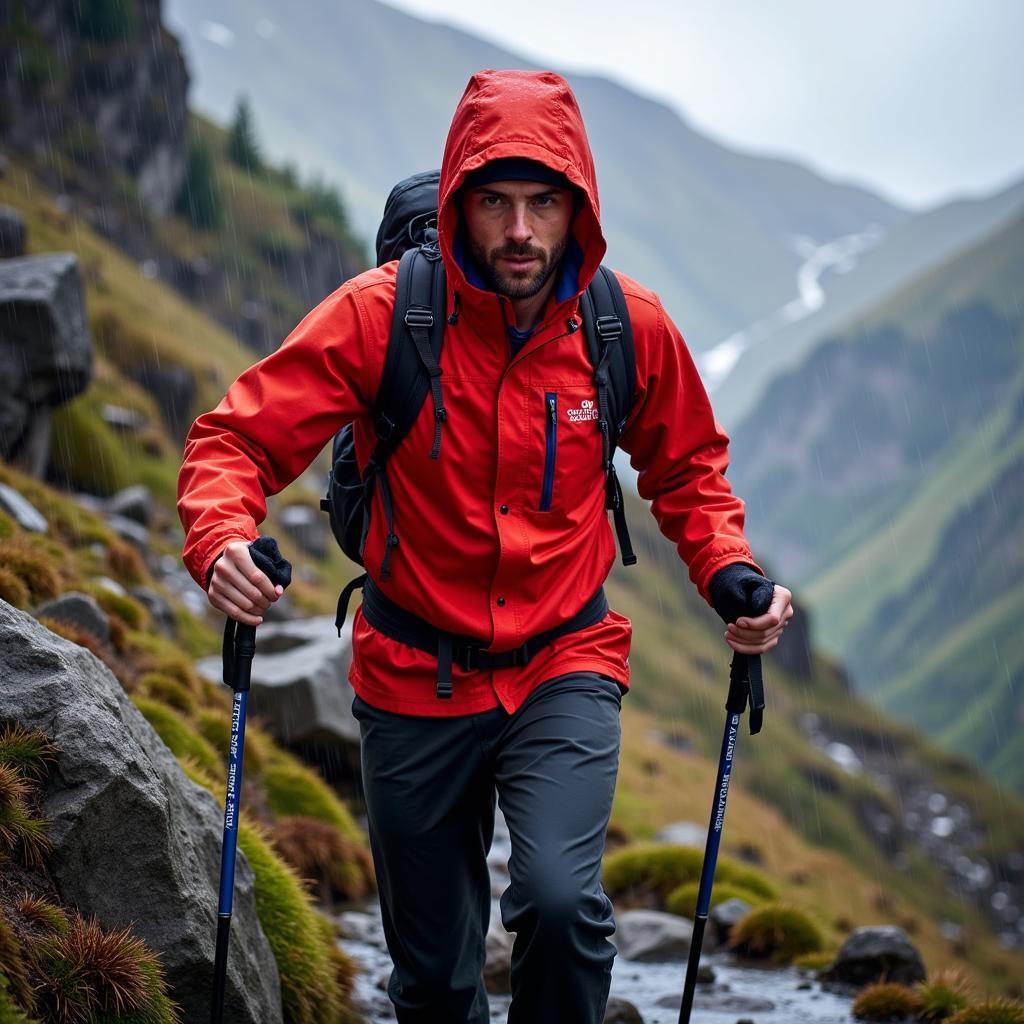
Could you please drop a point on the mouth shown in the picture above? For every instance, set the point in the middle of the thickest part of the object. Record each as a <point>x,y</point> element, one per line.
<point>519,262</point>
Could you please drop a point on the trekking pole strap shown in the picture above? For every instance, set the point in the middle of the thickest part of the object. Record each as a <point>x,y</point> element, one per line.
<point>746,683</point>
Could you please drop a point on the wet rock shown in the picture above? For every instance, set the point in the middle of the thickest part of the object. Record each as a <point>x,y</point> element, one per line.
<point>880,953</point>
<point>129,530</point>
<point>307,527</point>
<point>136,843</point>
<point>80,610</point>
<point>45,351</point>
<point>127,421</point>
<point>720,1002</point>
<point>622,1011</point>
<point>174,389</point>
<point>12,233</point>
<point>135,503</point>
<point>300,682</point>
<point>725,916</point>
<point>363,927</point>
<point>21,510</point>
<point>159,608</point>
<point>651,936</point>
<point>683,833</point>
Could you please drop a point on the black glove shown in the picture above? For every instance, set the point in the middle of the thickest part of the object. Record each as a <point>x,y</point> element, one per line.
<point>738,590</point>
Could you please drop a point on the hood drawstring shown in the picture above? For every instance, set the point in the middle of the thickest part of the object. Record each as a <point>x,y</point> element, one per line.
<point>454,318</point>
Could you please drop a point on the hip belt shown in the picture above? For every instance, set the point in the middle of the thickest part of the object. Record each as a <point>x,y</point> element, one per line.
<point>452,648</point>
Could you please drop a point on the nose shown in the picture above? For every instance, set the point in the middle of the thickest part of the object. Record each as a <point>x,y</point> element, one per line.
<point>518,227</point>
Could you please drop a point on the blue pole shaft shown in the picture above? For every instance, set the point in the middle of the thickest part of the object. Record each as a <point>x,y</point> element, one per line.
<point>707,874</point>
<point>232,803</point>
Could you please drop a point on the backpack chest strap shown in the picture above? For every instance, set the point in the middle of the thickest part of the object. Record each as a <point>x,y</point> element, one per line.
<point>468,653</point>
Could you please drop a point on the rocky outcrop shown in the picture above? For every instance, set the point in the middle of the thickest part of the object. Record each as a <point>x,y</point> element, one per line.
<point>46,355</point>
<point>106,84</point>
<point>882,953</point>
<point>651,936</point>
<point>135,841</point>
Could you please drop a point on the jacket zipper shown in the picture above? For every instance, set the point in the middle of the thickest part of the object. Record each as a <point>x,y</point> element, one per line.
<point>551,438</point>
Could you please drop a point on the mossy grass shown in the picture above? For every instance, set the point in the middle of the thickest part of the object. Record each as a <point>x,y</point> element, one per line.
<point>178,734</point>
<point>36,570</point>
<point>642,871</point>
<point>13,590</point>
<point>132,612</point>
<point>215,727</point>
<point>683,899</point>
<point>990,1011</point>
<point>943,994</point>
<point>10,1012</point>
<point>153,652</point>
<point>126,563</point>
<point>86,452</point>
<point>21,831</point>
<point>8,527</point>
<point>292,788</point>
<point>76,635</point>
<point>817,961</point>
<point>14,969</point>
<point>310,993</point>
<point>29,752</point>
<point>886,1001</point>
<point>171,691</point>
<point>88,974</point>
<point>43,914</point>
<point>776,931</point>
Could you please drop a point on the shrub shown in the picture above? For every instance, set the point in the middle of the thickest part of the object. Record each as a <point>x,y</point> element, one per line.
<point>86,452</point>
<point>309,986</point>
<point>179,735</point>
<point>128,566</point>
<point>10,1013</point>
<point>319,853</point>
<point>104,21</point>
<point>132,612</point>
<point>815,961</point>
<point>243,146</point>
<point>75,634</point>
<point>201,198</point>
<point>8,527</point>
<point>778,931</point>
<point>169,690</point>
<point>991,1011</point>
<point>885,1001</point>
<point>294,789</point>
<point>36,570</point>
<point>215,727</point>
<point>942,995</point>
<point>27,751</point>
<point>12,589</point>
<point>683,899</point>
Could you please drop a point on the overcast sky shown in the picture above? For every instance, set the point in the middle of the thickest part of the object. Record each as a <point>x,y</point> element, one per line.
<point>923,100</point>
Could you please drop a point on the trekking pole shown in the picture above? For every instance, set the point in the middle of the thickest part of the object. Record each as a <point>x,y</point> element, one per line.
<point>238,651</point>
<point>745,682</point>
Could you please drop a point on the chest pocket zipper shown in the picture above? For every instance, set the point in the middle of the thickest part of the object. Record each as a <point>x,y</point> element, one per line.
<point>551,440</point>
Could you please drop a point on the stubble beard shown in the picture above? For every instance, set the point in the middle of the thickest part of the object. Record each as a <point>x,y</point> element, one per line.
<point>519,286</point>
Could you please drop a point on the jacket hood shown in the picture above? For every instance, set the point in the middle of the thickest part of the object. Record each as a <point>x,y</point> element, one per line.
<point>530,114</point>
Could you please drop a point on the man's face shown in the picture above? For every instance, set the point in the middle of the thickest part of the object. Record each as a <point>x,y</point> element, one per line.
<point>518,231</point>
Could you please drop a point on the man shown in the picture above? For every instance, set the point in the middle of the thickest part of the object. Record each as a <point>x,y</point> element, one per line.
<point>503,537</point>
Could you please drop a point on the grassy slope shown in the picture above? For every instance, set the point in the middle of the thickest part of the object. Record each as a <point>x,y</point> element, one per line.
<point>679,661</point>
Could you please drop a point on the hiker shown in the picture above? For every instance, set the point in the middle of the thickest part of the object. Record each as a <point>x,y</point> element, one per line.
<point>496,547</point>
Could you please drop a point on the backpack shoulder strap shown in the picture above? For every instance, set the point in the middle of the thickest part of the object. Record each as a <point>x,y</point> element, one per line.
<point>609,335</point>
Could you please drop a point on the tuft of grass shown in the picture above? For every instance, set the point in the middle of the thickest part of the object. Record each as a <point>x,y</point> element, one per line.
<point>294,789</point>
<point>90,975</point>
<point>29,752</point>
<point>215,727</point>
<point>885,1001</point>
<point>128,567</point>
<point>75,634</point>
<point>309,987</point>
<point>13,590</point>
<point>14,969</point>
<point>169,690</point>
<point>36,570</point>
<point>179,735</point>
<point>8,527</point>
<point>133,612</point>
<point>10,1013</point>
<point>322,855</point>
<point>776,931</point>
<point>20,829</point>
<point>942,995</point>
<point>44,914</point>
<point>991,1011</point>
<point>815,961</point>
<point>683,899</point>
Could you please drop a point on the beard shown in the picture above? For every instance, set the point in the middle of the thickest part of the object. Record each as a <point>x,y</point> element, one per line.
<point>519,284</point>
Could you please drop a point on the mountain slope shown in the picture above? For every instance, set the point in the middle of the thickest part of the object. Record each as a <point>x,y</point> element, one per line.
<point>884,475</point>
<point>366,93</point>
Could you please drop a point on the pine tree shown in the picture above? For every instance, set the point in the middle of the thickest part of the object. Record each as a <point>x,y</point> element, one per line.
<point>200,198</point>
<point>243,146</point>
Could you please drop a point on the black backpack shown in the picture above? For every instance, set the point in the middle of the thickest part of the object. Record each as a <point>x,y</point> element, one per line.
<point>408,232</point>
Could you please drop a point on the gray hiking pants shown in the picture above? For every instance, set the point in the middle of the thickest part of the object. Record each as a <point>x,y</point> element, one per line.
<point>430,795</point>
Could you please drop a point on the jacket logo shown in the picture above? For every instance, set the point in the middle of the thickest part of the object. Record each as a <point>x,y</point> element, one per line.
<point>586,411</point>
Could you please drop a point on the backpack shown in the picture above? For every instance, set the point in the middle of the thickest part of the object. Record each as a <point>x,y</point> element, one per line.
<point>408,232</point>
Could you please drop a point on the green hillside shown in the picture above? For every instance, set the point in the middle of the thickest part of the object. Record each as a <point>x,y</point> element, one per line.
<point>884,474</point>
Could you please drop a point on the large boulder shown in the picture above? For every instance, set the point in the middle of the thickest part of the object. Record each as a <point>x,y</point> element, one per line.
<point>136,842</point>
<point>876,953</point>
<point>45,351</point>
<point>651,936</point>
<point>300,682</point>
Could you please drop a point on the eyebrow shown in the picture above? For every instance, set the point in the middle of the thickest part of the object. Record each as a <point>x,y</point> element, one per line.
<point>485,190</point>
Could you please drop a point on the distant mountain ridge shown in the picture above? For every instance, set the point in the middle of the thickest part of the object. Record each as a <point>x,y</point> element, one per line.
<point>367,93</point>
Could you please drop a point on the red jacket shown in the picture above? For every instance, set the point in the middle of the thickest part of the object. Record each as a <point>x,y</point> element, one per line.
<point>463,562</point>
